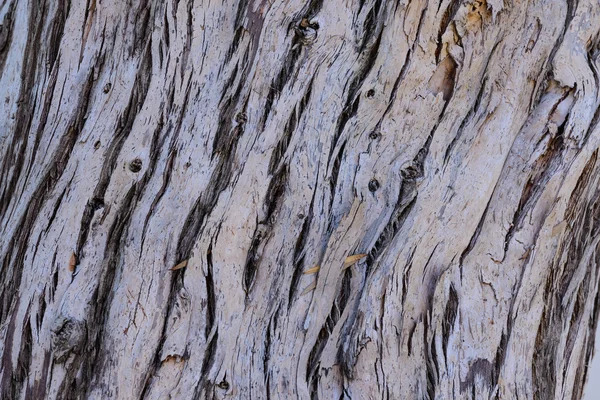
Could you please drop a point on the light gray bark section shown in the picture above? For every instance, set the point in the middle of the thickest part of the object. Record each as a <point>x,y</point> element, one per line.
<point>455,143</point>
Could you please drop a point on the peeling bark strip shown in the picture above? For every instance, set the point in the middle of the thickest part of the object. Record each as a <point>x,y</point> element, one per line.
<point>322,199</point>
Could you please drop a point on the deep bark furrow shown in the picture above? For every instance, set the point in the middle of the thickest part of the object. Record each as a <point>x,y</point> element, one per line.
<point>542,171</point>
<point>311,199</point>
<point>6,30</point>
<point>352,100</point>
<point>299,251</point>
<point>407,196</point>
<point>188,39</point>
<point>10,387</point>
<point>371,24</point>
<point>282,146</point>
<point>472,113</point>
<point>158,142</point>
<point>447,18</point>
<point>430,364</point>
<point>12,268</point>
<point>14,158</point>
<point>275,195</point>
<point>124,127</point>
<point>96,353</point>
<point>546,72</point>
<point>555,314</point>
<point>474,237</point>
<point>204,385</point>
<point>450,313</point>
<point>281,79</point>
<point>203,206</point>
<point>12,265</point>
<point>48,99</point>
<point>352,339</point>
<point>57,32</point>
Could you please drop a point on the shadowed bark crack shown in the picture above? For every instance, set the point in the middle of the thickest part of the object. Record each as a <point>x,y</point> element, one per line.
<point>200,118</point>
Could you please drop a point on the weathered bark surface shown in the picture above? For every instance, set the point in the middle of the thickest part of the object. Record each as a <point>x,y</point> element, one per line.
<point>454,142</point>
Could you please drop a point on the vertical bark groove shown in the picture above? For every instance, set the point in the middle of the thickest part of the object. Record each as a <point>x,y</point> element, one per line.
<point>451,147</point>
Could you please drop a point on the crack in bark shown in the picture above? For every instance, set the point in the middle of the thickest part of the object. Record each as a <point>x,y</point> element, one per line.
<point>204,385</point>
<point>157,144</point>
<point>282,78</point>
<point>542,171</point>
<point>88,366</point>
<point>546,73</point>
<point>277,157</point>
<point>124,127</point>
<point>263,232</point>
<point>344,356</point>
<point>12,264</point>
<point>568,300</point>
<point>560,278</point>
<point>347,352</point>
<point>431,364</point>
<point>352,101</point>
<point>6,31</point>
<point>450,313</point>
<point>447,17</point>
<point>407,196</point>
<point>14,158</point>
<point>335,172</point>
<point>300,252</point>
<point>474,109</point>
<point>373,22</point>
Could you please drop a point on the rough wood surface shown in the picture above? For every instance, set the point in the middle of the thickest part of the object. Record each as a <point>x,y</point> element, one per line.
<point>170,170</point>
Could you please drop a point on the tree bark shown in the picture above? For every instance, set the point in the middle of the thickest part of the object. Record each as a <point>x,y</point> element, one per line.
<point>173,172</point>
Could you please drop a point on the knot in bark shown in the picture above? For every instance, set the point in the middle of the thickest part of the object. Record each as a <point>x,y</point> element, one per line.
<point>68,338</point>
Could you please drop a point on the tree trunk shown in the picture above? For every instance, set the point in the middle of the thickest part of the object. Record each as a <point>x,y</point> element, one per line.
<point>173,173</point>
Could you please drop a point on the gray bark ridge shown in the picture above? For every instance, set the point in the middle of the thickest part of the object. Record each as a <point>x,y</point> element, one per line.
<point>318,199</point>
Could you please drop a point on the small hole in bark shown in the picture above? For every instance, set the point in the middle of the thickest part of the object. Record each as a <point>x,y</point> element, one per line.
<point>373,185</point>
<point>306,32</point>
<point>370,93</point>
<point>97,145</point>
<point>373,135</point>
<point>187,165</point>
<point>223,385</point>
<point>241,118</point>
<point>135,165</point>
<point>107,87</point>
<point>300,216</point>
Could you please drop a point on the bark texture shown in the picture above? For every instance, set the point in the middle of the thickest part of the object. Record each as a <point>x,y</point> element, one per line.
<point>248,141</point>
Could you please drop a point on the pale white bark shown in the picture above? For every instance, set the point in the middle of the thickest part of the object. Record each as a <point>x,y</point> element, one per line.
<point>455,143</point>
